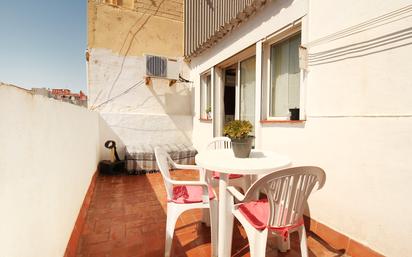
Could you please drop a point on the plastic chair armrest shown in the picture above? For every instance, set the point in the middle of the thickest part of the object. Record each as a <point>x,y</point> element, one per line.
<point>234,192</point>
<point>189,183</point>
<point>186,167</point>
<point>202,172</point>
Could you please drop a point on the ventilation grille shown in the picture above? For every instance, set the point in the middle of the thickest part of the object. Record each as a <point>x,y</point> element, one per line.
<point>156,66</point>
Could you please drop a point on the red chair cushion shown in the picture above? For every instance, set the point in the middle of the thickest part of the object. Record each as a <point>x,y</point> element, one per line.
<point>216,175</point>
<point>190,194</point>
<point>257,213</point>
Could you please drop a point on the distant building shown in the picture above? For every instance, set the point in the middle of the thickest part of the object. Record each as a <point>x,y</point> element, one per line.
<point>64,95</point>
<point>40,91</point>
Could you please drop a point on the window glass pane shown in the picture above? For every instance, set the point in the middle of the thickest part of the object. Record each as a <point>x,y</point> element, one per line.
<point>279,79</point>
<point>205,95</point>
<point>247,89</point>
<point>285,77</point>
<point>202,97</point>
<point>294,72</point>
<point>209,92</point>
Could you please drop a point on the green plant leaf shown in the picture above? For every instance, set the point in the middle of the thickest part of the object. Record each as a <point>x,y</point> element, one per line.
<point>238,129</point>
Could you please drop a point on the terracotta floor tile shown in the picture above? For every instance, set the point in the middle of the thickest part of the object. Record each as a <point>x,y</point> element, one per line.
<point>127,217</point>
<point>102,226</point>
<point>118,232</point>
<point>99,255</point>
<point>96,238</point>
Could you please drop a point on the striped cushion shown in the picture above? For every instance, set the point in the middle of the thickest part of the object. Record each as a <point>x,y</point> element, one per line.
<point>142,158</point>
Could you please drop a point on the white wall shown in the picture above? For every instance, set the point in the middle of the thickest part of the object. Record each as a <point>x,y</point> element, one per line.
<point>366,70</point>
<point>359,113</point>
<point>49,153</point>
<point>359,119</point>
<point>146,114</point>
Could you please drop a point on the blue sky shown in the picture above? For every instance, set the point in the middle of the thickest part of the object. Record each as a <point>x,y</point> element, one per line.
<point>43,43</point>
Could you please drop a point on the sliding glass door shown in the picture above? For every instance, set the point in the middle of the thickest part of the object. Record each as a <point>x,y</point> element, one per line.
<point>239,86</point>
<point>247,89</point>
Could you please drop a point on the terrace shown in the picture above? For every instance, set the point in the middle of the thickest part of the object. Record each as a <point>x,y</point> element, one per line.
<point>56,204</point>
<point>340,100</point>
<point>119,215</point>
<point>127,218</point>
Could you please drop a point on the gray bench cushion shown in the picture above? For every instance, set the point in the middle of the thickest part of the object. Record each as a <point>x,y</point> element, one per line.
<point>141,158</point>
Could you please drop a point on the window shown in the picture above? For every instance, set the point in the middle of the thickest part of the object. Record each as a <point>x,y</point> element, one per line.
<point>284,88</point>
<point>114,2</point>
<point>206,96</point>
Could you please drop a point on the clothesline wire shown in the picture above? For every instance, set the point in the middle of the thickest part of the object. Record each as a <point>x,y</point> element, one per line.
<point>139,83</point>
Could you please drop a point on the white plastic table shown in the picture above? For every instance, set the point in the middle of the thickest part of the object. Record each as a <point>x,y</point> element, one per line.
<point>223,161</point>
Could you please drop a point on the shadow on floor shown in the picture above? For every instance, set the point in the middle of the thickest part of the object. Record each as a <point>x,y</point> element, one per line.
<point>127,219</point>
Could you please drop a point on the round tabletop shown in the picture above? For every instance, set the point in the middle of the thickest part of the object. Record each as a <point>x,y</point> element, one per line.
<point>224,161</point>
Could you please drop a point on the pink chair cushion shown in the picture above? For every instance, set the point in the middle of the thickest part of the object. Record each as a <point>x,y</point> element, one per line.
<point>190,194</point>
<point>216,175</point>
<point>257,213</point>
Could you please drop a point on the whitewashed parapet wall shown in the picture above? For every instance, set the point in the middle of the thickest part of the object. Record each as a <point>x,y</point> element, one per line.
<point>358,112</point>
<point>153,114</point>
<point>50,150</point>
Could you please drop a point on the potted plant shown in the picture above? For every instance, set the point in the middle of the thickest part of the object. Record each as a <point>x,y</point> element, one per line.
<point>238,131</point>
<point>209,112</point>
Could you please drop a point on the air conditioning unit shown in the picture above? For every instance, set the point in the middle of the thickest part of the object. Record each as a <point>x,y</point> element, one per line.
<point>161,67</point>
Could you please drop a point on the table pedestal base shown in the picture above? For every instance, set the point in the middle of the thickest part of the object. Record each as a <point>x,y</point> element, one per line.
<point>225,218</point>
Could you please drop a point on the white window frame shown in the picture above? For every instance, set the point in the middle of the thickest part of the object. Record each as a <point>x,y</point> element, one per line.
<point>204,96</point>
<point>273,40</point>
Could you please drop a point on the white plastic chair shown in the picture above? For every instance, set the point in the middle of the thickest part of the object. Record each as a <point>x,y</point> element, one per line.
<point>186,195</point>
<point>235,180</point>
<point>281,213</point>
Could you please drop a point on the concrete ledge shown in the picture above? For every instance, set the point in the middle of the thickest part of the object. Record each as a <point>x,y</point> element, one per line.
<point>340,242</point>
<point>80,221</point>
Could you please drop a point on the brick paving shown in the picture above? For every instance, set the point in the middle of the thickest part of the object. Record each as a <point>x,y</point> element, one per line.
<point>127,219</point>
